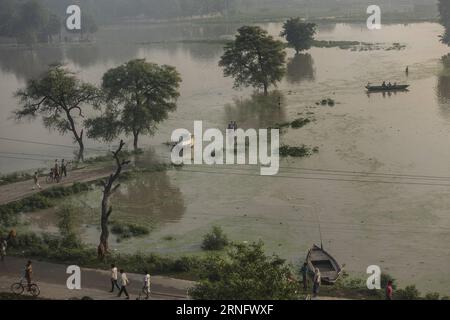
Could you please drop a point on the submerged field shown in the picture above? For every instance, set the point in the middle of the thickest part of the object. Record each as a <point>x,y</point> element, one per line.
<point>379,184</point>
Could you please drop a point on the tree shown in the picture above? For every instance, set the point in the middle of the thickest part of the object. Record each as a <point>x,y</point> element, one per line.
<point>59,98</point>
<point>139,95</point>
<point>52,27</point>
<point>245,273</point>
<point>444,11</point>
<point>32,18</point>
<point>254,59</point>
<point>299,35</point>
<point>109,187</point>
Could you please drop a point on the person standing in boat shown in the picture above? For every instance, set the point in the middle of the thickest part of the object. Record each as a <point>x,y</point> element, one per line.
<point>304,272</point>
<point>317,280</point>
<point>383,84</point>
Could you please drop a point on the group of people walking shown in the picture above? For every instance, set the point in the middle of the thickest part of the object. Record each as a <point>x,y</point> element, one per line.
<point>232,125</point>
<point>57,171</point>
<point>124,282</point>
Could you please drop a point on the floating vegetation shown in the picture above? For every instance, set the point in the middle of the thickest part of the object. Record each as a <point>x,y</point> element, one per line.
<point>127,230</point>
<point>296,124</point>
<point>297,152</point>
<point>301,122</point>
<point>357,45</point>
<point>326,102</point>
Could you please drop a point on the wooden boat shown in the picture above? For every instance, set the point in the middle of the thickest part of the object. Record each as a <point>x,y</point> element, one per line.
<point>329,268</point>
<point>398,87</point>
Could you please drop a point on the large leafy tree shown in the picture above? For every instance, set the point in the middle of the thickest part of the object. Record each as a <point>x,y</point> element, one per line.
<point>59,97</point>
<point>299,35</point>
<point>254,58</point>
<point>245,273</point>
<point>139,95</point>
<point>444,10</point>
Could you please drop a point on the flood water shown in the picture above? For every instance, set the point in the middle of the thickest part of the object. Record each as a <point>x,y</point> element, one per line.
<point>395,216</point>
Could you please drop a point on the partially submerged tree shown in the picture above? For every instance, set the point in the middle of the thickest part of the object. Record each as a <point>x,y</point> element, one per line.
<point>245,273</point>
<point>139,95</point>
<point>254,59</point>
<point>109,187</point>
<point>59,97</point>
<point>298,34</point>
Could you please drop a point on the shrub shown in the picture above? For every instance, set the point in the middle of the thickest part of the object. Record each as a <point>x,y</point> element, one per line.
<point>432,296</point>
<point>127,230</point>
<point>215,240</point>
<point>409,293</point>
<point>385,278</point>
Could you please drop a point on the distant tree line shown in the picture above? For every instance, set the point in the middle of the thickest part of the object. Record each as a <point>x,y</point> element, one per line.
<point>32,21</point>
<point>444,11</point>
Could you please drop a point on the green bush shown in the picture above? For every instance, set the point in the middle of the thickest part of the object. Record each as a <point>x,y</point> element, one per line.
<point>432,296</point>
<point>215,240</point>
<point>127,230</point>
<point>409,293</point>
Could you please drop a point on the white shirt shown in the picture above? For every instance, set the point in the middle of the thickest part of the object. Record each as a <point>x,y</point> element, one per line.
<point>147,280</point>
<point>124,279</point>
<point>114,273</point>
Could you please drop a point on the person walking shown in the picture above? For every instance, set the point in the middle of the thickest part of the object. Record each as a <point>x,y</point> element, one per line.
<point>3,246</point>
<point>317,280</point>
<point>146,288</point>
<point>114,277</point>
<point>56,174</point>
<point>29,273</point>
<point>124,283</point>
<point>63,170</point>
<point>304,271</point>
<point>389,290</point>
<point>36,181</point>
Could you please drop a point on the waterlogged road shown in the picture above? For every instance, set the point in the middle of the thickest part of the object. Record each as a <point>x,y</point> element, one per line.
<point>18,190</point>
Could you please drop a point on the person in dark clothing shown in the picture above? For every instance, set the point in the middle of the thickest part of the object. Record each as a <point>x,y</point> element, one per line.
<point>304,272</point>
<point>63,170</point>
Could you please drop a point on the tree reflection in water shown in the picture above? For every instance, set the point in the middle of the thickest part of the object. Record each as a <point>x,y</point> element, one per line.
<point>300,68</point>
<point>256,112</point>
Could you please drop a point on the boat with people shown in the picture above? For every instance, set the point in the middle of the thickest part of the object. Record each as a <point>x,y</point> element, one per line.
<point>387,87</point>
<point>329,268</point>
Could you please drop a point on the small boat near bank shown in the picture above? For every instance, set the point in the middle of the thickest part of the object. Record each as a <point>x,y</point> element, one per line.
<point>330,270</point>
<point>397,87</point>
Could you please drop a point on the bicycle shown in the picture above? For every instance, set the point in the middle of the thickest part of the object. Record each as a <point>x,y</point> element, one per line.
<point>51,178</point>
<point>19,287</point>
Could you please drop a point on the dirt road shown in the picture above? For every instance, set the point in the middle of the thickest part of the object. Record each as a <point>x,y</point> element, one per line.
<point>52,278</point>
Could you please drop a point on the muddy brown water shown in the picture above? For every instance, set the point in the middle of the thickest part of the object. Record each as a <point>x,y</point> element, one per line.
<point>399,222</point>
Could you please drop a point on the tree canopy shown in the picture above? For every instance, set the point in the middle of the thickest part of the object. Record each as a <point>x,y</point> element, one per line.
<point>245,273</point>
<point>28,21</point>
<point>299,35</point>
<point>139,95</point>
<point>254,58</point>
<point>59,97</point>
